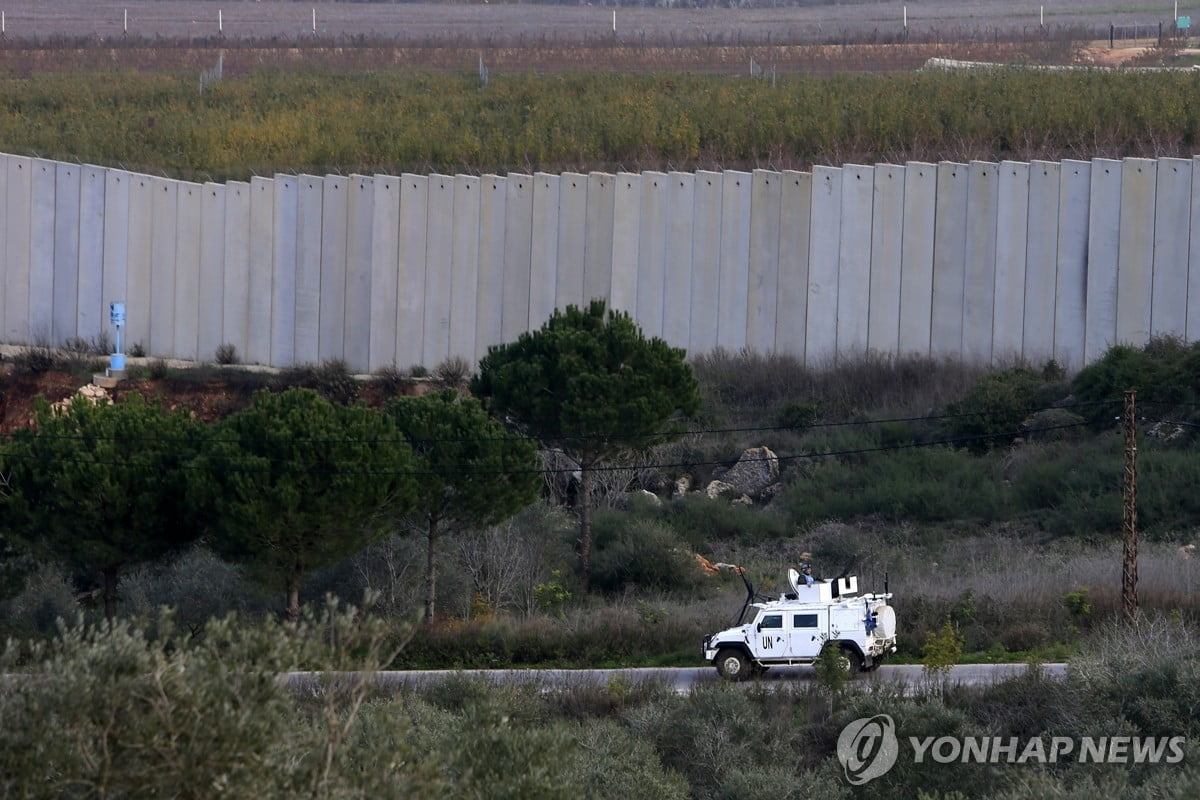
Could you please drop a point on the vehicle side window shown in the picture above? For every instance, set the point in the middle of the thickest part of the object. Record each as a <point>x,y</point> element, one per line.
<point>771,621</point>
<point>804,621</point>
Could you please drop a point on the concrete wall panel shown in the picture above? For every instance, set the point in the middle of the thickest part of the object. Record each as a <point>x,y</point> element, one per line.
<point>92,312</point>
<point>1012,221</point>
<point>1135,258</point>
<point>1193,291</point>
<point>489,295</point>
<point>4,159</point>
<point>359,238</point>
<point>762,292</point>
<point>335,221</point>
<point>138,272</point>
<point>543,253</point>
<point>916,260</point>
<point>980,268</point>
<point>1041,262</point>
<point>598,248</point>
<point>791,305</point>
<point>410,302</point>
<point>1104,227</point>
<point>186,336</point>
<point>116,246</point>
<point>949,260</point>
<point>464,271</point>
<point>572,238</point>
<point>18,204</point>
<point>164,249</point>
<point>733,284</point>
<point>824,258</point>
<point>262,245</point>
<point>706,261</point>
<point>1172,218</point>
<point>283,270</point>
<point>627,214</point>
<point>887,258</point>
<point>518,227</point>
<point>854,279</point>
<point>41,250</point>
<point>677,269</point>
<point>385,272</point>
<point>439,255</point>
<point>308,269</point>
<point>211,286</point>
<point>1071,281</point>
<point>65,270</point>
<point>652,253</point>
<point>235,312</point>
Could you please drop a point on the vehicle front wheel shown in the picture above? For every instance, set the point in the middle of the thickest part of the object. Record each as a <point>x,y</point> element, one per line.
<point>733,665</point>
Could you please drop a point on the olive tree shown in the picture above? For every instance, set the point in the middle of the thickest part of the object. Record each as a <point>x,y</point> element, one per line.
<point>590,383</point>
<point>471,472</point>
<point>101,486</point>
<point>295,483</point>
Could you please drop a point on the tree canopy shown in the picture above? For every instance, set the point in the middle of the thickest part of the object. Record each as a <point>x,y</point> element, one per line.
<point>295,483</point>
<point>591,383</point>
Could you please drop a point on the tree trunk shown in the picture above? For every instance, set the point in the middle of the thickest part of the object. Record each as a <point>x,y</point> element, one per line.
<point>585,526</point>
<point>431,569</point>
<point>293,594</point>
<point>111,576</point>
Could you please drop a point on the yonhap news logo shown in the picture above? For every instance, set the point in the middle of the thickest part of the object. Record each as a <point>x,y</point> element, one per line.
<point>868,747</point>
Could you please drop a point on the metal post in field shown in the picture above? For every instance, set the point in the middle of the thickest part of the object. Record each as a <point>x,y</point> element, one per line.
<point>220,22</point>
<point>1129,534</point>
<point>314,22</point>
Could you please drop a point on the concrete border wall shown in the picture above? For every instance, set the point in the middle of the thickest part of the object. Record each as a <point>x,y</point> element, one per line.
<point>984,262</point>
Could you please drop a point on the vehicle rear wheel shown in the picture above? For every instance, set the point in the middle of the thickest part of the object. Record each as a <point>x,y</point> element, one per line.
<point>852,660</point>
<point>733,665</point>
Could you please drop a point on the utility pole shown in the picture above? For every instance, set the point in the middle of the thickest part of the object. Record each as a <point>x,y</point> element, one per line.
<point>1129,550</point>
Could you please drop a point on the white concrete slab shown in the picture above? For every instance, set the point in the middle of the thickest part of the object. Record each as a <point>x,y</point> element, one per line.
<point>572,233</point>
<point>464,268</point>
<point>980,272</point>
<point>677,269</point>
<point>824,260</point>
<point>410,301</point>
<point>116,246</point>
<point>186,336</point>
<point>489,296</point>
<point>518,242</point>
<point>916,260</point>
<point>1071,284</point>
<point>1193,293</point>
<point>1104,237</point>
<point>791,306</point>
<point>652,253</point>
<point>211,288</point>
<point>65,262</point>
<point>439,254</point>
<point>3,239</point>
<point>1135,259</point>
<point>335,222</point>
<point>163,251</point>
<point>385,272</point>
<point>92,312</point>
<point>854,276</point>
<point>283,270</point>
<point>762,291</point>
<point>543,268</point>
<point>1041,262</point>
<point>1012,237</point>
<point>598,247</point>
<point>626,242</point>
<point>887,255</point>
<point>1172,221</point>
<point>949,261</point>
<point>138,276</point>
<point>41,251</point>
<point>734,272</point>
<point>706,261</point>
<point>235,315</point>
<point>360,217</point>
<point>309,212</point>
<point>262,245</point>
<point>18,197</point>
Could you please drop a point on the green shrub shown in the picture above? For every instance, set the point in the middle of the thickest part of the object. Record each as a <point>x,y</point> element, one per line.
<point>1165,373</point>
<point>992,412</point>
<point>700,522</point>
<point>641,553</point>
<point>331,379</point>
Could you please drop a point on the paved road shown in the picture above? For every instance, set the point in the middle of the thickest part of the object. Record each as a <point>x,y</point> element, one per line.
<point>682,679</point>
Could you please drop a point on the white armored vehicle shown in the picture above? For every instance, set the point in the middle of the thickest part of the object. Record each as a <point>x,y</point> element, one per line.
<point>795,628</point>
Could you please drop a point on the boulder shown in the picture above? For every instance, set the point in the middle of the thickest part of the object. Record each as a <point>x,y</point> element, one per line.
<point>756,469</point>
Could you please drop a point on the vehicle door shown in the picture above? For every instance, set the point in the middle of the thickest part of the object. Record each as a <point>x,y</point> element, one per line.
<point>770,638</point>
<point>807,632</point>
